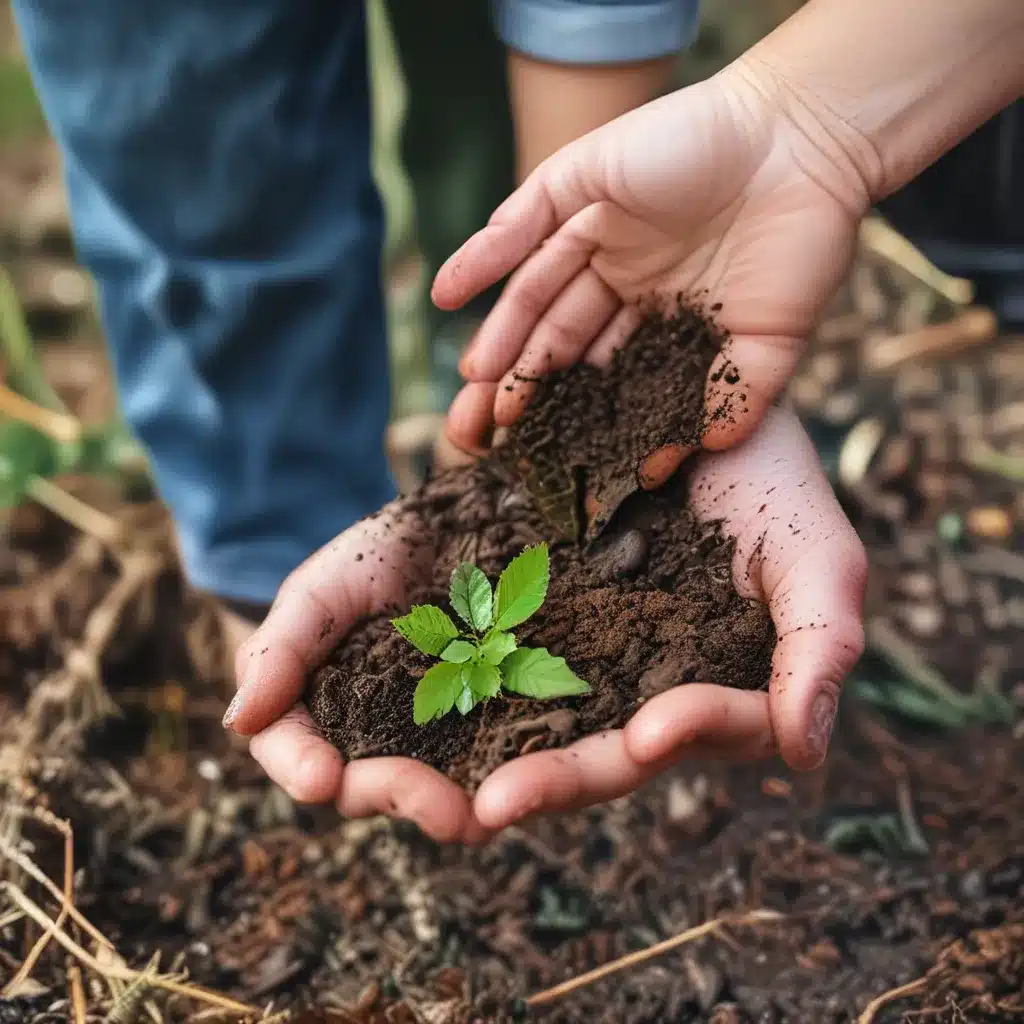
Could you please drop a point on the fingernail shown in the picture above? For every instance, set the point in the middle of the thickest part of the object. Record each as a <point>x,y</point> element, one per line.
<point>823,716</point>
<point>233,708</point>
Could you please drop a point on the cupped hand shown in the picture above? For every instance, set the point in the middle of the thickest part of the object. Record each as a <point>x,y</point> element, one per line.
<point>315,607</point>
<point>740,190</point>
<point>796,551</point>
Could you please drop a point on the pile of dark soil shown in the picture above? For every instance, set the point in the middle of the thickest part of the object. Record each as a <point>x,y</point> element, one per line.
<point>648,605</point>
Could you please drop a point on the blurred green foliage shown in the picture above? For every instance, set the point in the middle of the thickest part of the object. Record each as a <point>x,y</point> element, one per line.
<point>20,116</point>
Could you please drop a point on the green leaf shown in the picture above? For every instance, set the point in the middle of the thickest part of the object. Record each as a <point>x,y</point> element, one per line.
<point>471,596</point>
<point>466,701</point>
<point>522,587</point>
<point>483,680</point>
<point>436,692</point>
<point>497,647</point>
<point>427,628</point>
<point>458,651</point>
<point>533,672</point>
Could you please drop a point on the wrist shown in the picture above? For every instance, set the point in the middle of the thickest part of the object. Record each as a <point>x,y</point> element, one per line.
<point>588,97</point>
<point>884,88</point>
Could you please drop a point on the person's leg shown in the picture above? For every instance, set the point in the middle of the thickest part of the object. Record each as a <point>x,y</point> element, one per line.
<point>217,159</point>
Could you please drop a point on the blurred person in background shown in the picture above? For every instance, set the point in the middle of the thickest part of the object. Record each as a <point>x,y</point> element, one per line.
<point>217,158</point>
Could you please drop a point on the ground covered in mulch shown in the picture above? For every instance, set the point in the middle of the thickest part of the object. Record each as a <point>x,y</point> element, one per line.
<point>898,867</point>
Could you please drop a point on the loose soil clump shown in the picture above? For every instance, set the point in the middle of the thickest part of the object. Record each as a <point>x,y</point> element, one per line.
<point>646,606</point>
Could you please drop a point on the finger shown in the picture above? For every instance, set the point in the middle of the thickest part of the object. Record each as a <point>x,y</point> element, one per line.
<point>471,418</point>
<point>403,788</point>
<point>796,550</point>
<point>296,757</point>
<point>363,570</point>
<point>594,770</point>
<point>743,382</point>
<point>515,229</point>
<point>528,297</point>
<point>817,609</point>
<point>558,341</point>
<point>662,464</point>
<point>698,720</point>
<point>614,336</point>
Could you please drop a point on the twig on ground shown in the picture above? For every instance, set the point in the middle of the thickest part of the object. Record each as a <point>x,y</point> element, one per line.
<point>66,899</point>
<point>78,1006</point>
<point>78,513</point>
<point>879,237</point>
<point>30,869</point>
<point>80,676</point>
<point>982,456</point>
<point>631,959</point>
<point>58,425</point>
<point>976,325</point>
<point>123,973</point>
<point>879,1002</point>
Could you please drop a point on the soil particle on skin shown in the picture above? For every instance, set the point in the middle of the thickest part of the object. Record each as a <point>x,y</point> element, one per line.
<point>652,597</point>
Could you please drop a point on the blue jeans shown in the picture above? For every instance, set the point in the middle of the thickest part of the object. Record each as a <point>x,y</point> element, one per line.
<point>217,162</point>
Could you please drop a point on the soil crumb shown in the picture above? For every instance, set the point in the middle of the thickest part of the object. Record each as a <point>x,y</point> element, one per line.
<point>648,606</point>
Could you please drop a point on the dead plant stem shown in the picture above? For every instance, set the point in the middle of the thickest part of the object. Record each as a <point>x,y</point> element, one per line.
<point>871,1010</point>
<point>77,993</point>
<point>116,971</point>
<point>66,902</point>
<point>78,513</point>
<point>632,959</point>
<point>58,425</point>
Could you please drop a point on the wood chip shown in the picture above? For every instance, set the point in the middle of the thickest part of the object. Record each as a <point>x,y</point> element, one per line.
<point>974,326</point>
<point>990,522</point>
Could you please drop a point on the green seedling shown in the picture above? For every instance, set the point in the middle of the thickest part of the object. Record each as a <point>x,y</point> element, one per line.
<point>483,658</point>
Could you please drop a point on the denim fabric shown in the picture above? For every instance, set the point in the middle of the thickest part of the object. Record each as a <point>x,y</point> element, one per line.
<point>217,161</point>
<point>597,31</point>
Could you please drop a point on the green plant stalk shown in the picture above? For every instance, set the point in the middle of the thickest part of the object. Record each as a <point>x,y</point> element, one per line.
<point>24,369</point>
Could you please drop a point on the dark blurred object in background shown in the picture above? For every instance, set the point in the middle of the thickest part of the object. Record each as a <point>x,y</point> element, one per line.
<point>966,213</point>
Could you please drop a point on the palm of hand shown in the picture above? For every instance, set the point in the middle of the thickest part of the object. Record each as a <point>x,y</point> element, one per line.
<point>718,198</point>
<point>806,564</point>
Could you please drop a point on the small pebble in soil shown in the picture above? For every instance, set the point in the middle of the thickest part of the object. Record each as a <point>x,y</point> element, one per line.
<point>624,558</point>
<point>658,679</point>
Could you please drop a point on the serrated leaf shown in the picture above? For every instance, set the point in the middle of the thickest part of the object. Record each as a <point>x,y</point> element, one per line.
<point>533,672</point>
<point>522,587</point>
<point>497,647</point>
<point>427,628</point>
<point>470,594</point>
<point>436,692</point>
<point>465,701</point>
<point>458,651</point>
<point>483,680</point>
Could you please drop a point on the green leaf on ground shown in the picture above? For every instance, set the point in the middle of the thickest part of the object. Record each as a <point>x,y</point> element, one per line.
<point>497,647</point>
<point>471,596</point>
<point>427,628</point>
<point>535,673</point>
<point>436,693</point>
<point>522,587</point>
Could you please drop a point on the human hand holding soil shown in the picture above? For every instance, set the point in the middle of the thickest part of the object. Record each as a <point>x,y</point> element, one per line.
<point>794,550</point>
<point>747,188</point>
